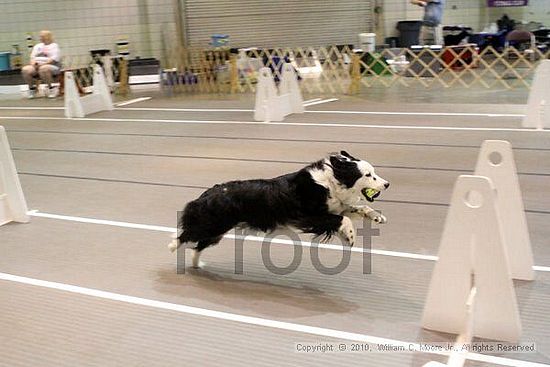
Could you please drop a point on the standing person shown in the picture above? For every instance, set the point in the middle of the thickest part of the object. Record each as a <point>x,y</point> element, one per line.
<point>45,63</point>
<point>431,31</point>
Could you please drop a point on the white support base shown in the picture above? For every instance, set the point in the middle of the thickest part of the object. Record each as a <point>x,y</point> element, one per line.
<point>458,355</point>
<point>273,105</point>
<point>473,253</point>
<point>538,104</point>
<point>5,216</point>
<point>496,161</point>
<point>99,100</point>
<point>13,207</point>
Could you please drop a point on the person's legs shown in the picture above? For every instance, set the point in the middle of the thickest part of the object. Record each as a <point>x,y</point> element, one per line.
<point>428,36</point>
<point>438,35</point>
<point>423,34</point>
<point>29,72</point>
<point>47,72</point>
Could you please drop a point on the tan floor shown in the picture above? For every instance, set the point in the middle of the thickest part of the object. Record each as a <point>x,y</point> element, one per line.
<point>143,172</point>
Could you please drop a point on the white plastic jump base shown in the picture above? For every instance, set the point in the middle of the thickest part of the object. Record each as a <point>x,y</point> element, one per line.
<point>538,104</point>
<point>458,355</point>
<point>274,105</point>
<point>473,254</point>
<point>496,161</point>
<point>13,207</point>
<point>99,100</point>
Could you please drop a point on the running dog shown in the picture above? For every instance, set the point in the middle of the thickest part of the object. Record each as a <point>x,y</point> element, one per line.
<point>318,199</point>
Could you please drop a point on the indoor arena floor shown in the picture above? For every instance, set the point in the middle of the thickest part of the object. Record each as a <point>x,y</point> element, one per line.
<point>90,281</point>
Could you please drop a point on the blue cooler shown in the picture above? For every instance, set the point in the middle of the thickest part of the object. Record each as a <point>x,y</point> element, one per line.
<point>4,61</point>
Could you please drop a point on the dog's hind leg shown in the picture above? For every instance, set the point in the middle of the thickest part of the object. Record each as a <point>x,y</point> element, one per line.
<point>201,245</point>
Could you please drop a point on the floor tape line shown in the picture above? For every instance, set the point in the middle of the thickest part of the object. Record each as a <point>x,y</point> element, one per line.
<point>327,246</point>
<point>281,325</point>
<point>265,124</point>
<point>390,113</point>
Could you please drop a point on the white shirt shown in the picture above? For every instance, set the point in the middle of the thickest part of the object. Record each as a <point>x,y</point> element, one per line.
<point>42,52</point>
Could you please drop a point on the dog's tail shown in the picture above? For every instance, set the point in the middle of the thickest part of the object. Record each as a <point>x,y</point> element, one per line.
<point>174,244</point>
<point>177,241</point>
<point>181,236</point>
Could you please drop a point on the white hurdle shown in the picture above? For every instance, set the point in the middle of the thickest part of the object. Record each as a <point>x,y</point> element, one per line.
<point>538,104</point>
<point>99,100</point>
<point>484,246</point>
<point>496,161</point>
<point>13,207</point>
<point>273,105</point>
<point>473,254</point>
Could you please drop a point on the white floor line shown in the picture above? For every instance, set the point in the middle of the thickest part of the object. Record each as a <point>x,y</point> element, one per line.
<point>397,113</point>
<point>320,102</point>
<point>135,100</point>
<point>30,108</point>
<point>147,227</point>
<point>312,100</point>
<point>264,124</point>
<point>281,325</point>
<point>334,112</point>
<point>327,246</point>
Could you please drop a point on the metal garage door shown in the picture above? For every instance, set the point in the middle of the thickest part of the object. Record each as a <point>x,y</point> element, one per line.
<point>275,23</point>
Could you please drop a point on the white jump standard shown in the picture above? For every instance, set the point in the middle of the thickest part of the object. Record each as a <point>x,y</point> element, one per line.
<point>496,161</point>
<point>273,104</point>
<point>484,246</point>
<point>13,207</point>
<point>538,104</point>
<point>99,100</point>
<point>473,254</point>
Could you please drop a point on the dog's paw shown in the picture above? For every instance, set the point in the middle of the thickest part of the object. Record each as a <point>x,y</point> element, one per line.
<point>378,218</point>
<point>199,265</point>
<point>347,231</point>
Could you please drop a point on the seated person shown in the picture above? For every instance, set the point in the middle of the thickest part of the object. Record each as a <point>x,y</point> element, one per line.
<point>45,64</point>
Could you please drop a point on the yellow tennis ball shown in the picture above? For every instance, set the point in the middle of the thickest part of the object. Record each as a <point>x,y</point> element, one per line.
<point>369,193</point>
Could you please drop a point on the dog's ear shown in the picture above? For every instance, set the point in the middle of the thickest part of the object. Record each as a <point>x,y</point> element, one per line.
<point>345,170</point>
<point>346,154</point>
<point>339,161</point>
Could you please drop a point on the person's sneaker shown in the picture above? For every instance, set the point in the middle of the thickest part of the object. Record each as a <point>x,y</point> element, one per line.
<point>31,94</point>
<point>52,92</point>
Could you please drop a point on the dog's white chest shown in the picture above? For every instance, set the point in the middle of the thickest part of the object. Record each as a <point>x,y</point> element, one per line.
<point>341,200</point>
<point>335,206</point>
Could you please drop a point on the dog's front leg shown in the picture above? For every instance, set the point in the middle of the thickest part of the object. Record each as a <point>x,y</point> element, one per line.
<point>368,212</point>
<point>347,230</point>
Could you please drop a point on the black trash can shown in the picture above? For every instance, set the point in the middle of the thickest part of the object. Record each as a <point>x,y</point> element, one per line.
<point>409,32</point>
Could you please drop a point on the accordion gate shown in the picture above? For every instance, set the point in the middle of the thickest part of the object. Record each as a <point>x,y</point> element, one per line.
<point>338,69</point>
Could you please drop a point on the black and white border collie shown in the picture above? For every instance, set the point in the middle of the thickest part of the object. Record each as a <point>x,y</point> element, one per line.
<point>318,199</point>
